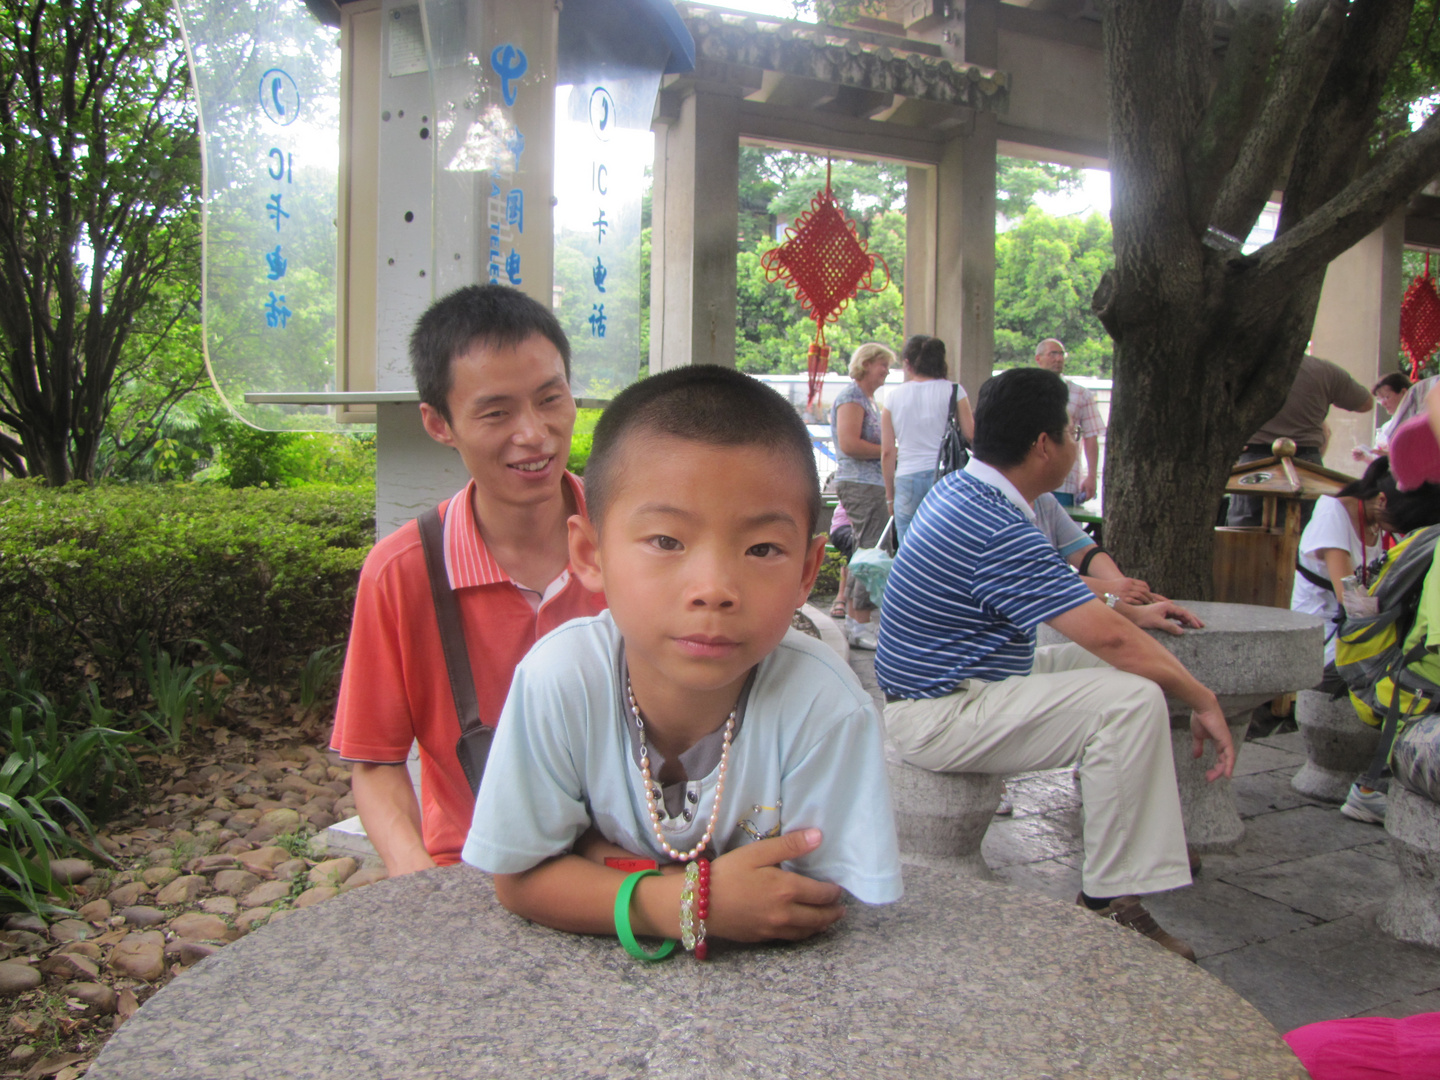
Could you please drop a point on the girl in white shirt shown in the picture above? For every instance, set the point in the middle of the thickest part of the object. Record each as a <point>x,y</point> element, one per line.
<point>1343,538</point>
<point>912,425</point>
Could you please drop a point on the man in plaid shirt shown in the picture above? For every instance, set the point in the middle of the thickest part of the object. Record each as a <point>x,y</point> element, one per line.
<point>1079,486</point>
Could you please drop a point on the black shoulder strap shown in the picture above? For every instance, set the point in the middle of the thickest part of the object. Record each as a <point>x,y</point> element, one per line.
<point>447,615</point>
<point>1314,578</point>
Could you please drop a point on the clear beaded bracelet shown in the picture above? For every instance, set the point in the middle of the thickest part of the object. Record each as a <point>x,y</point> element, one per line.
<point>695,907</point>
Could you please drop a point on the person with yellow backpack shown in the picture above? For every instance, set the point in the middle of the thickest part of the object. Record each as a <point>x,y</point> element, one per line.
<point>1387,649</point>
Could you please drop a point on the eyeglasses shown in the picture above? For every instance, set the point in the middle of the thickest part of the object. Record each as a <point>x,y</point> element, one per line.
<point>1075,432</point>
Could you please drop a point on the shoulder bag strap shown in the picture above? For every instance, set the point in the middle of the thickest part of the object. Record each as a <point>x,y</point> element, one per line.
<point>447,615</point>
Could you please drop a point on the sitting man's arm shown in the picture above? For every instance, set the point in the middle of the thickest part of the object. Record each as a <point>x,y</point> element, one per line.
<point>1104,576</point>
<point>1116,636</point>
<point>751,897</point>
<point>385,801</point>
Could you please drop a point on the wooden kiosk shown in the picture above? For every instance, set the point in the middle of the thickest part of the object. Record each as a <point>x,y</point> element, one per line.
<point>1256,564</point>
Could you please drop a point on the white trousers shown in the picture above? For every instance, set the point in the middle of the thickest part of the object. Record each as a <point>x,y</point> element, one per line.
<point>1072,707</point>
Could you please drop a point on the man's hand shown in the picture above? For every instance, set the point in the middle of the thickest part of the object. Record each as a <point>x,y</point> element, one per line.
<point>1132,590</point>
<point>1165,615</point>
<point>1209,723</point>
<point>752,899</point>
<point>1087,488</point>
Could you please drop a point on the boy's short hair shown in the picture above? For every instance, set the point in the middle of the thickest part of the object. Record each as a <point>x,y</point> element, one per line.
<point>706,404</point>
<point>1011,411</point>
<point>494,315</point>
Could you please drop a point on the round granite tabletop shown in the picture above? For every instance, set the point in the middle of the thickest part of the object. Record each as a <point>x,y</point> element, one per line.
<point>427,976</point>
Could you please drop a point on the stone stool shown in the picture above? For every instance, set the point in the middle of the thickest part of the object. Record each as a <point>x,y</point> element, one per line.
<point>1246,655</point>
<point>1337,744</point>
<point>1413,912</point>
<point>941,818</point>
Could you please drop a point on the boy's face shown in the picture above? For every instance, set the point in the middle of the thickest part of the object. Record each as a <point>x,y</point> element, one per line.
<point>704,555</point>
<point>511,417</point>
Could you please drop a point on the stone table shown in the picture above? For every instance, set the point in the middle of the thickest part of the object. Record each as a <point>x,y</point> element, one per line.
<point>1247,655</point>
<point>426,976</point>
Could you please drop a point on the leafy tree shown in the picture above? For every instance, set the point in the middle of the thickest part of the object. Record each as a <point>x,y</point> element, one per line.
<point>98,232</point>
<point>1046,270</point>
<point>1018,181</point>
<point>1310,97</point>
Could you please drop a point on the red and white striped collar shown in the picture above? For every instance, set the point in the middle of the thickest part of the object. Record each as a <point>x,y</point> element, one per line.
<point>468,561</point>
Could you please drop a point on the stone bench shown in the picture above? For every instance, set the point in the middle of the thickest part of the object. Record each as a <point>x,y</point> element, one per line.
<point>941,818</point>
<point>1246,655</point>
<point>1413,912</point>
<point>1338,745</point>
<point>425,976</point>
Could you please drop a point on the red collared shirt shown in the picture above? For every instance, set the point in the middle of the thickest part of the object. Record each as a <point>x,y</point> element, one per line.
<point>395,688</point>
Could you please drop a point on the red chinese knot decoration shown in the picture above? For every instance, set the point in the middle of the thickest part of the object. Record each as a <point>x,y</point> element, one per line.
<point>1420,320</point>
<point>827,264</point>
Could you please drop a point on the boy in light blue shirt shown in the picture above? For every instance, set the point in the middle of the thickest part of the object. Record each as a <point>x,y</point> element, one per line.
<point>690,722</point>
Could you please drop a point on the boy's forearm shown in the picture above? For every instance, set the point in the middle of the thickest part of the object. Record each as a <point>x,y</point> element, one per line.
<point>572,893</point>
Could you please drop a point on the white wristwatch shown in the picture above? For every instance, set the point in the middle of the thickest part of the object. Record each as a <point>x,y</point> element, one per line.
<point>1111,599</point>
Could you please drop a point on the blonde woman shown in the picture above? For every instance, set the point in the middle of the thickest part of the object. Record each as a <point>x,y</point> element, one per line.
<point>855,420</point>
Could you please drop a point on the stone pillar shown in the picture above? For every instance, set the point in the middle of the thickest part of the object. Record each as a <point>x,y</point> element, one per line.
<point>965,223</point>
<point>1358,327</point>
<point>921,225</point>
<point>695,219</point>
<point>965,254</point>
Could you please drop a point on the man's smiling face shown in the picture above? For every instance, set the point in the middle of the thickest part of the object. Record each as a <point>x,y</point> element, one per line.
<point>511,417</point>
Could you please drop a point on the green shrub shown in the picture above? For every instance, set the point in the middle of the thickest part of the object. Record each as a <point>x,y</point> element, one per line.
<point>249,457</point>
<point>583,439</point>
<point>89,573</point>
<point>827,582</point>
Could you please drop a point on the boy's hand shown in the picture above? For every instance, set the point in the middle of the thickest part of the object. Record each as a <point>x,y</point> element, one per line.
<point>752,899</point>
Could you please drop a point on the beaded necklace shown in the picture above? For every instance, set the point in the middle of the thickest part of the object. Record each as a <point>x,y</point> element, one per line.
<point>650,798</point>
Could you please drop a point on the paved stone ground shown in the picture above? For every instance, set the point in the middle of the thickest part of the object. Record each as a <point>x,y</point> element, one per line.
<point>1287,921</point>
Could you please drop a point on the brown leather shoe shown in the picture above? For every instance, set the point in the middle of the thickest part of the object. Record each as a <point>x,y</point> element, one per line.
<point>1128,911</point>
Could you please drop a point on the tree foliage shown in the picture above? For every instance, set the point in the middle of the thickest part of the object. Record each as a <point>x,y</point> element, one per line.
<point>1306,97</point>
<point>1046,270</point>
<point>98,232</point>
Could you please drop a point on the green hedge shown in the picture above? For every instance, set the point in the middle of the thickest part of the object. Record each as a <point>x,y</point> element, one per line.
<point>89,572</point>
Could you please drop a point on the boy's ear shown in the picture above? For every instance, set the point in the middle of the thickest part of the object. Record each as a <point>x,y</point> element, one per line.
<point>585,552</point>
<point>814,557</point>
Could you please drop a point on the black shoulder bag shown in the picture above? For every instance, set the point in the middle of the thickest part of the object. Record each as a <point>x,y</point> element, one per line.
<point>954,453</point>
<point>473,747</point>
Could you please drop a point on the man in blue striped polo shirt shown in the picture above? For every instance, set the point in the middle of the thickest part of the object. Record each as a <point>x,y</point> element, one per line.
<point>968,691</point>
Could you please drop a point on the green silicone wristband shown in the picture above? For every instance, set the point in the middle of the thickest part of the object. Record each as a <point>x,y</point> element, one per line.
<point>622,920</point>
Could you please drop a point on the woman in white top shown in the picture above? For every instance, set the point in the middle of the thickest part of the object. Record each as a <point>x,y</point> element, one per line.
<point>1343,538</point>
<point>912,425</point>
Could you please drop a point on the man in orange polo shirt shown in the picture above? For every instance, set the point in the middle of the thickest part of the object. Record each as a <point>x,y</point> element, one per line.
<point>493,370</point>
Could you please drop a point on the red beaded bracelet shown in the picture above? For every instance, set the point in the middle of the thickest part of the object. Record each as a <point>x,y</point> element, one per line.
<point>695,907</point>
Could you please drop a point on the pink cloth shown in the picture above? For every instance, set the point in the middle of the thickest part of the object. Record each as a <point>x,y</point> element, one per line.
<point>840,517</point>
<point>1370,1048</point>
<point>1414,456</point>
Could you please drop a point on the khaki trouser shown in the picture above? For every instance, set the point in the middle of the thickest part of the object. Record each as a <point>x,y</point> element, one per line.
<point>1072,707</point>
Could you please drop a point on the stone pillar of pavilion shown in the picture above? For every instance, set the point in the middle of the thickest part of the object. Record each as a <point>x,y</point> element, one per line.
<point>695,219</point>
<point>950,216</point>
<point>1358,327</point>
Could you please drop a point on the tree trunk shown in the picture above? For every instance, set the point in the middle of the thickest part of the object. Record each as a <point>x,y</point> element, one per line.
<point>1207,340</point>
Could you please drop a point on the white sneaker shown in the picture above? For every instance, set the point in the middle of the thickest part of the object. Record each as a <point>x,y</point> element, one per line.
<point>860,635</point>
